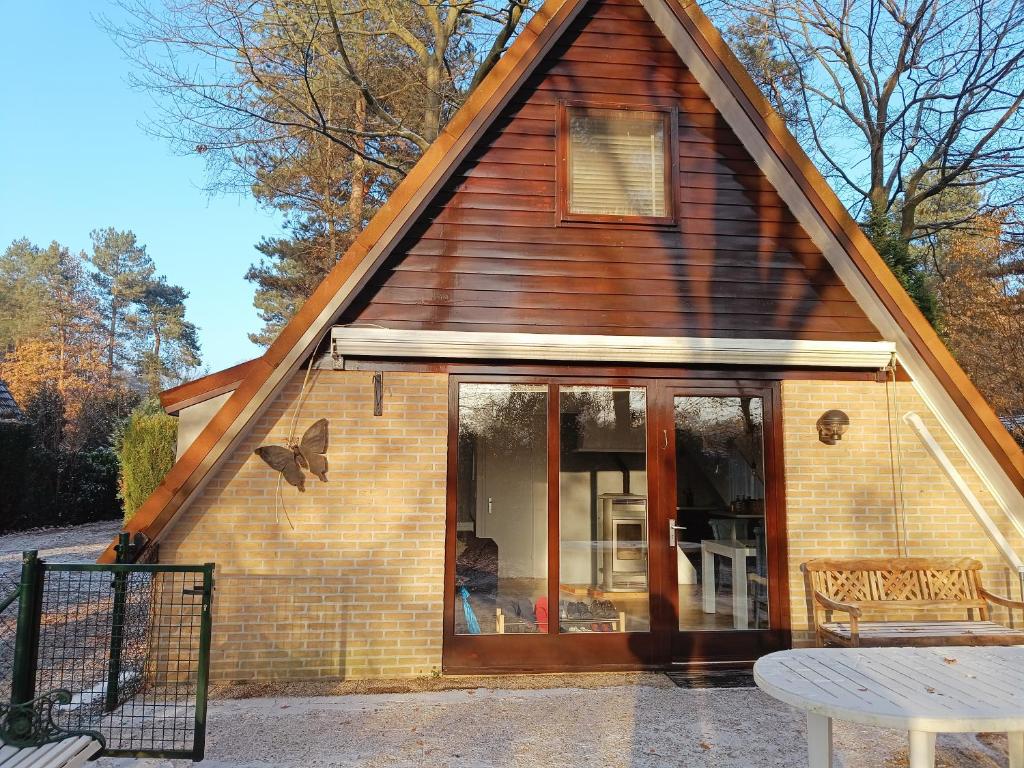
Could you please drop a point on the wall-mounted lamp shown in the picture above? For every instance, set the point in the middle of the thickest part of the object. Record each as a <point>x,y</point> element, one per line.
<point>378,393</point>
<point>831,426</point>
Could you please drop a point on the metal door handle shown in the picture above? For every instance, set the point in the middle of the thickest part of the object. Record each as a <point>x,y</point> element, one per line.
<point>490,505</point>
<point>664,439</point>
<point>672,528</point>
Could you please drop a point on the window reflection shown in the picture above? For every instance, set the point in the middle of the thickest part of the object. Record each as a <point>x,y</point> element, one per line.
<point>501,536</point>
<point>603,510</point>
<point>722,557</point>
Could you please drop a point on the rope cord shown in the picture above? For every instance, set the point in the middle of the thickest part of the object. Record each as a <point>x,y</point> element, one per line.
<point>280,506</point>
<point>899,501</point>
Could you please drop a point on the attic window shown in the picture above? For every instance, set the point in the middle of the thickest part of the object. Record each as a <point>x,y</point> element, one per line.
<point>616,164</point>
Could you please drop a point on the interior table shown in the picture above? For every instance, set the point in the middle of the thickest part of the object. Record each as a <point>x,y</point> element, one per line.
<point>734,522</point>
<point>737,552</point>
<point>923,691</point>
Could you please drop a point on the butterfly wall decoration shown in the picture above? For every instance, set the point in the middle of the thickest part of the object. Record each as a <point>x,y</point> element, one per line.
<point>306,454</point>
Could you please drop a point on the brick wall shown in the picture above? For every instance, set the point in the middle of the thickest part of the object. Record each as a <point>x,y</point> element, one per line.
<point>839,498</point>
<point>344,580</point>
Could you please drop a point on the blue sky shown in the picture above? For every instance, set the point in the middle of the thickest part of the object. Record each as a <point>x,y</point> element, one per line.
<point>73,158</point>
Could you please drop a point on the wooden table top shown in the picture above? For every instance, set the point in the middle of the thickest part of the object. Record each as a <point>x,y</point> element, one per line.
<point>949,690</point>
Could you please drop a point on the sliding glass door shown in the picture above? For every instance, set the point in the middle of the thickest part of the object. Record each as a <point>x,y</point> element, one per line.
<point>599,523</point>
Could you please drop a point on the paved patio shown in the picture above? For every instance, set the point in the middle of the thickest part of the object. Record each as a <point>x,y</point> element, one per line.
<point>646,724</point>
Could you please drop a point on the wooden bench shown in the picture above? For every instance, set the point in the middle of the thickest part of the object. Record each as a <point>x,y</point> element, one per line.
<point>29,737</point>
<point>904,586</point>
<point>71,752</point>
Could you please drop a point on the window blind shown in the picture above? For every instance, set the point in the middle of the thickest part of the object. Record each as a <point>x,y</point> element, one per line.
<point>616,163</point>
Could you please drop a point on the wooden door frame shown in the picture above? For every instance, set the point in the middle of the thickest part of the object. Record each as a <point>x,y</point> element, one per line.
<point>469,654</point>
<point>702,646</point>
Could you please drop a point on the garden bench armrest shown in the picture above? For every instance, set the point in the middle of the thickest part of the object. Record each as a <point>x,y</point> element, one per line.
<point>834,605</point>
<point>998,600</point>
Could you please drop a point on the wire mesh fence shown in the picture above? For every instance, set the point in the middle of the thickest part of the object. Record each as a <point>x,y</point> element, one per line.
<point>9,591</point>
<point>130,643</point>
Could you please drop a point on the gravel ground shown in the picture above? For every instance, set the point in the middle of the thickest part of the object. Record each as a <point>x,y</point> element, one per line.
<point>58,545</point>
<point>81,543</point>
<point>621,726</point>
<point>555,721</point>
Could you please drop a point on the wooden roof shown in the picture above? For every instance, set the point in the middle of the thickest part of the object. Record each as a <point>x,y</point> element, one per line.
<point>773,148</point>
<point>204,388</point>
<point>498,251</point>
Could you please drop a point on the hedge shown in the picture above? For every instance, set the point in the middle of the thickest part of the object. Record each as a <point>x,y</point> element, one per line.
<point>146,451</point>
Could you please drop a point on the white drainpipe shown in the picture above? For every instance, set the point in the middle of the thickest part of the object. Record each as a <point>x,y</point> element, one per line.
<point>967,495</point>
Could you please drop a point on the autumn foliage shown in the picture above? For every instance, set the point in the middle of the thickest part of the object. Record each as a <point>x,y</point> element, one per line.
<point>982,305</point>
<point>83,338</point>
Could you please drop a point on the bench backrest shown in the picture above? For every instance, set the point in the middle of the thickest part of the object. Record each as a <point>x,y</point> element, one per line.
<point>906,579</point>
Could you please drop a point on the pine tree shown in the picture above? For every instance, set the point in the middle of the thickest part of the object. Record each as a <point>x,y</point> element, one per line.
<point>884,233</point>
<point>290,270</point>
<point>168,343</point>
<point>123,271</point>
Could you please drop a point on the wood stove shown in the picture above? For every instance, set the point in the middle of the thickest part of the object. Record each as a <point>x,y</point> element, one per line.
<point>624,542</point>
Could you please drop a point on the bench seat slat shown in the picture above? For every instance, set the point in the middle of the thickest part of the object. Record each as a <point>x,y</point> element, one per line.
<point>26,757</point>
<point>82,757</point>
<point>896,633</point>
<point>68,753</point>
<point>72,752</point>
<point>917,605</point>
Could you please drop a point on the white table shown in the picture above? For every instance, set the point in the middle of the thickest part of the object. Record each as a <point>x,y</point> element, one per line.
<point>738,552</point>
<point>923,691</point>
<point>734,519</point>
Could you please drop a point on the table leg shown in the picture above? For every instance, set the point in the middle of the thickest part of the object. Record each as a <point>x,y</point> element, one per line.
<point>707,579</point>
<point>922,749</point>
<point>1016,741</point>
<point>739,591</point>
<point>819,741</point>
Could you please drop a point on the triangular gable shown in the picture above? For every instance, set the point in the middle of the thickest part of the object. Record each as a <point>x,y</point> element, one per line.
<point>947,390</point>
<point>494,252</point>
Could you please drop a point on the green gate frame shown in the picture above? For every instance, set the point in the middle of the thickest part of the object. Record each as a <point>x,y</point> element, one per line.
<point>27,720</point>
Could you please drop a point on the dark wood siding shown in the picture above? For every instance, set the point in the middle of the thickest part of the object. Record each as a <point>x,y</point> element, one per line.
<point>491,254</point>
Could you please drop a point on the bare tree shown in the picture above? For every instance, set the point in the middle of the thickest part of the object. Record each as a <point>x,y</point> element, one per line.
<point>250,83</point>
<point>317,107</point>
<point>904,100</point>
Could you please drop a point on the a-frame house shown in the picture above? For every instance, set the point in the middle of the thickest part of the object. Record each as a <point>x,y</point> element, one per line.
<point>581,376</point>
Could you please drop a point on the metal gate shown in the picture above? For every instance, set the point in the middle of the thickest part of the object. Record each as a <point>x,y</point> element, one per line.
<point>119,652</point>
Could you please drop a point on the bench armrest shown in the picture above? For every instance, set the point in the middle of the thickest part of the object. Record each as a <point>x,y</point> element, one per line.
<point>1003,601</point>
<point>834,605</point>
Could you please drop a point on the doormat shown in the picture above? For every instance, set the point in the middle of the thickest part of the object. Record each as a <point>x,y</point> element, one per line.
<point>712,678</point>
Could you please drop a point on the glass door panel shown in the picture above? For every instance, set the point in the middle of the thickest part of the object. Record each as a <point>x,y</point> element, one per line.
<point>501,565</point>
<point>603,510</point>
<point>721,557</point>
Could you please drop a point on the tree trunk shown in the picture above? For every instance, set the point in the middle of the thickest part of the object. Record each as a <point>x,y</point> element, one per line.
<point>61,358</point>
<point>908,222</point>
<point>112,331</point>
<point>154,382</point>
<point>357,198</point>
<point>432,100</point>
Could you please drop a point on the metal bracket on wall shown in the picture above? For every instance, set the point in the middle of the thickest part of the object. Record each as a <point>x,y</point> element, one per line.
<point>378,393</point>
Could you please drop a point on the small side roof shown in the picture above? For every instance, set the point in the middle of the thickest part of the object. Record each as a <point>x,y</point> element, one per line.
<point>204,388</point>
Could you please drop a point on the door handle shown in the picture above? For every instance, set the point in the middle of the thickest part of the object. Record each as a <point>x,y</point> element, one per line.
<point>664,439</point>
<point>672,528</point>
